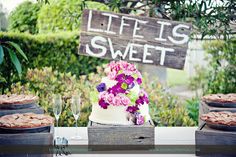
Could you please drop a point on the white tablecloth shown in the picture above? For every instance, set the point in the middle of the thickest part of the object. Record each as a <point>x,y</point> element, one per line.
<point>163,136</point>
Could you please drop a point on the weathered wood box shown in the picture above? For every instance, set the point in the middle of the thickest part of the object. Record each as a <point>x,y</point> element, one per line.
<point>205,108</point>
<point>120,137</point>
<point>34,142</point>
<point>20,108</point>
<point>212,142</point>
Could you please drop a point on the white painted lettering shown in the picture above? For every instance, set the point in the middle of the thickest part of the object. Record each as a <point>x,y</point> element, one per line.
<point>146,53</point>
<point>176,34</point>
<point>163,23</point>
<point>89,23</point>
<point>138,28</point>
<point>163,53</point>
<point>116,53</point>
<point>132,51</point>
<point>109,22</point>
<point>122,24</point>
<point>95,45</point>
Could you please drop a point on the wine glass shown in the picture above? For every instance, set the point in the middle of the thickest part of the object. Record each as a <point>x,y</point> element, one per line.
<point>75,108</point>
<point>57,106</point>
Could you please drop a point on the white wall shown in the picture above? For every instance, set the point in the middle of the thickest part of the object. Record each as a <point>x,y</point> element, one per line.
<point>195,56</point>
<point>11,4</point>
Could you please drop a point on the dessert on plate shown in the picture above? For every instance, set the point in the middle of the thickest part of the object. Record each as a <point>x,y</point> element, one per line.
<point>220,118</point>
<point>220,98</point>
<point>25,120</point>
<point>120,98</point>
<point>17,99</point>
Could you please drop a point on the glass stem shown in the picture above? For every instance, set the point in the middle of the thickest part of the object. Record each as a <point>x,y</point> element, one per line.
<point>57,122</point>
<point>76,127</point>
<point>57,127</point>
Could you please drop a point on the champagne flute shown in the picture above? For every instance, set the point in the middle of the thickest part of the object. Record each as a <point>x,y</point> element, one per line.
<point>57,106</point>
<point>75,108</point>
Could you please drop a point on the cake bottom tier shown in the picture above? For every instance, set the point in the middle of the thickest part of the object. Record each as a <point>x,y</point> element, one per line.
<point>116,115</point>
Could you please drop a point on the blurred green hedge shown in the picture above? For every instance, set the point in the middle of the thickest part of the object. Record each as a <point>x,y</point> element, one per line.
<point>59,51</point>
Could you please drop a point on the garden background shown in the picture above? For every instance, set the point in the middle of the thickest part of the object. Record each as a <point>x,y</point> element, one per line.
<point>39,55</point>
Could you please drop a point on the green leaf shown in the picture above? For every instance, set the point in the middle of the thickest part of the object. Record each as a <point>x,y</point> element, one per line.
<point>1,54</point>
<point>93,97</point>
<point>17,47</point>
<point>2,80</point>
<point>15,61</point>
<point>124,86</point>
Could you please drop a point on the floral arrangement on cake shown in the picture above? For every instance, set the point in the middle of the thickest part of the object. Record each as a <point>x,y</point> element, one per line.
<point>126,77</point>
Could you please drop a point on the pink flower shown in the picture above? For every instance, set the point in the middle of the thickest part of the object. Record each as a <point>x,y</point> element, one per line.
<point>127,72</point>
<point>117,68</point>
<point>139,119</point>
<point>112,64</point>
<point>102,95</point>
<point>123,64</point>
<point>116,101</point>
<point>125,100</point>
<point>112,75</point>
<point>131,67</point>
<point>109,98</point>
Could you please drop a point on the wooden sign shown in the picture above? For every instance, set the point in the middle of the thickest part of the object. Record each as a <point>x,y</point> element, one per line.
<point>134,38</point>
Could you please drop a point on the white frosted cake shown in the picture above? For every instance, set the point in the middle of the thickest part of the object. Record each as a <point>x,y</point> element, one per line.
<point>120,99</point>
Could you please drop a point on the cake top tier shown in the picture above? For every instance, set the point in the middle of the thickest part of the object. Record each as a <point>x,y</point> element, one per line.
<point>118,71</point>
<point>121,87</point>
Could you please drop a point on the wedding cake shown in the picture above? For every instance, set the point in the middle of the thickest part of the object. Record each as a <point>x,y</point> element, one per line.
<point>121,101</point>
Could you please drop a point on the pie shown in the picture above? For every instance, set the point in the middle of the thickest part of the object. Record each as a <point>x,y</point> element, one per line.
<point>17,99</point>
<point>223,118</point>
<point>25,120</point>
<point>220,98</point>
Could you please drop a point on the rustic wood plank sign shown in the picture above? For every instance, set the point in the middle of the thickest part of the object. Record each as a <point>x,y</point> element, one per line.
<point>134,38</point>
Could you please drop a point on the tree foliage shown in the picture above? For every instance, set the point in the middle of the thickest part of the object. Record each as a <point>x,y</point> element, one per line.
<point>221,77</point>
<point>10,62</point>
<point>24,18</point>
<point>209,17</point>
<point>64,15</point>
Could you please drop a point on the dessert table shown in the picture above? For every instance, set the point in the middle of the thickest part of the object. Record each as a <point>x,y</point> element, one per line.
<point>163,136</point>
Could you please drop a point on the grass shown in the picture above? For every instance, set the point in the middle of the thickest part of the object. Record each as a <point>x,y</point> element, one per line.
<point>176,77</point>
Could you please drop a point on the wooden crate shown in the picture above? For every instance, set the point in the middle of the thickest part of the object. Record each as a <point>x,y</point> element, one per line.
<point>113,137</point>
<point>205,108</point>
<point>32,139</point>
<point>208,140</point>
<point>35,109</point>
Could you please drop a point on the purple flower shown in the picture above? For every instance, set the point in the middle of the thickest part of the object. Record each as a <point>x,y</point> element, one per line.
<point>139,101</point>
<point>129,80</point>
<point>112,90</point>
<point>142,98</point>
<point>101,87</point>
<point>119,89</point>
<point>131,85</point>
<point>139,81</point>
<point>132,109</point>
<point>125,78</point>
<point>140,119</point>
<point>116,89</point>
<point>136,114</point>
<point>145,98</point>
<point>103,104</point>
<point>120,78</point>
